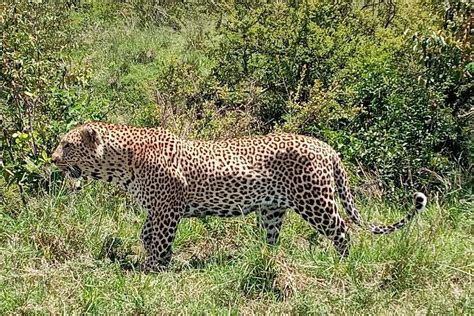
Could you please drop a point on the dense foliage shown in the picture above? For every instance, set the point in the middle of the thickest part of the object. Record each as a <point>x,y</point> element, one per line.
<point>388,97</point>
<point>389,86</point>
<point>38,95</point>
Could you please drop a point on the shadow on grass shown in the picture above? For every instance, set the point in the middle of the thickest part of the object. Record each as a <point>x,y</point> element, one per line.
<point>115,250</point>
<point>261,280</point>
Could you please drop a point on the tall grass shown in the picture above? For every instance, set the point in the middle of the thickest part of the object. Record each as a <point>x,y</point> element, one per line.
<point>127,59</point>
<point>56,257</point>
<point>75,251</point>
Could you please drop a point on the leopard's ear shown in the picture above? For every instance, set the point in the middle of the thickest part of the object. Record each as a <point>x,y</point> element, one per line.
<point>92,139</point>
<point>90,136</point>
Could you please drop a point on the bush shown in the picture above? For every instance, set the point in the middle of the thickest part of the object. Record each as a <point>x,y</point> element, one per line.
<point>192,104</point>
<point>38,95</point>
<point>377,93</point>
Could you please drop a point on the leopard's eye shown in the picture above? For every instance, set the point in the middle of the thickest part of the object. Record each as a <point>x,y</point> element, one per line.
<point>66,146</point>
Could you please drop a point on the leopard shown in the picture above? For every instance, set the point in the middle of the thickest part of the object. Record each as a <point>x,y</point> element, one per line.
<point>174,178</point>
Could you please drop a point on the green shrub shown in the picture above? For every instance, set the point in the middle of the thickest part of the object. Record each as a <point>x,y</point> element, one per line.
<point>38,95</point>
<point>192,104</point>
<point>387,100</point>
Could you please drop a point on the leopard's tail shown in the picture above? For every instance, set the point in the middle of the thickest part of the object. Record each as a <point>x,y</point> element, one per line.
<point>347,199</point>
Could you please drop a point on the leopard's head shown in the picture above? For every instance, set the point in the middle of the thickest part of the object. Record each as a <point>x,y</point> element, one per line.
<point>79,151</point>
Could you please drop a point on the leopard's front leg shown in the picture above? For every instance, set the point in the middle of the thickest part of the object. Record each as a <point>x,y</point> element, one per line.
<point>161,191</point>
<point>157,235</point>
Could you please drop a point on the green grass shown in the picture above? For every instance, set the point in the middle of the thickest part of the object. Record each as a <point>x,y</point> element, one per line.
<point>124,62</point>
<point>52,261</point>
<point>73,251</point>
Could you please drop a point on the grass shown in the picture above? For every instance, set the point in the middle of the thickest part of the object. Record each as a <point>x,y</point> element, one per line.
<point>73,251</point>
<point>125,63</point>
<point>52,261</point>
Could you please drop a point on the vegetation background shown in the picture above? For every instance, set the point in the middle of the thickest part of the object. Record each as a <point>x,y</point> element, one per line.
<point>388,83</point>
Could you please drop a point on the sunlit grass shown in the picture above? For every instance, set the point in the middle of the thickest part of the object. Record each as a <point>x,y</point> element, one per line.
<point>52,260</point>
<point>75,251</point>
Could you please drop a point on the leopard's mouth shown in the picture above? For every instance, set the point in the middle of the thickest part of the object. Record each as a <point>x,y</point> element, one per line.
<point>75,171</point>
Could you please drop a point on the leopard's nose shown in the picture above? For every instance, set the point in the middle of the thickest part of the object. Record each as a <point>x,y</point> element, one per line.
<point>54,158</point>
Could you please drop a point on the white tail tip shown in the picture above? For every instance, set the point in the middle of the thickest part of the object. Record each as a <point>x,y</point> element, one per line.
<point>420,201</point>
